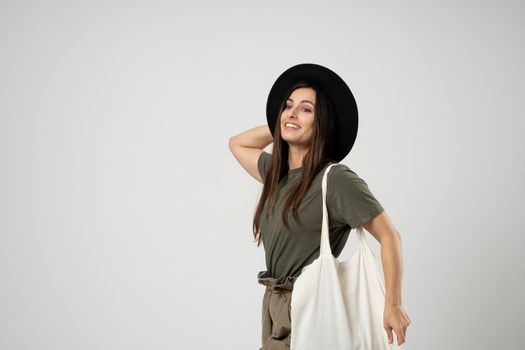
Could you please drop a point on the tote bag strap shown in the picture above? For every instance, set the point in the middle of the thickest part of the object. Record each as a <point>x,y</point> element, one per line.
<point>361,239</point>
<point>325,249</point>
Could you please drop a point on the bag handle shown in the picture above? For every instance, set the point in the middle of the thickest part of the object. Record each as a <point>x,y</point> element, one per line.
<point>361,238</point>
<point>325,249</point>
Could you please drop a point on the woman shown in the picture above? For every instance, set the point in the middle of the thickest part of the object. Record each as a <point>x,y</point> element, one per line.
<point>312,122</point>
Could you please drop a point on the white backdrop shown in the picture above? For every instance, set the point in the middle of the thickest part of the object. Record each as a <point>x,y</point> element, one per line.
<point>125,222</point>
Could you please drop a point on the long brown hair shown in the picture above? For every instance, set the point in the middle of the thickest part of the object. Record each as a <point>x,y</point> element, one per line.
<point>320,152</point>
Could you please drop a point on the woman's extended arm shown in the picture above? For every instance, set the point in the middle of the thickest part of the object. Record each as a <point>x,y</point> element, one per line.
<point>395,317</point>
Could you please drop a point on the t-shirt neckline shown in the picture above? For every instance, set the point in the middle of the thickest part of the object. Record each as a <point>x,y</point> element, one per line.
<point>296,170</point>
<point>299,170</point>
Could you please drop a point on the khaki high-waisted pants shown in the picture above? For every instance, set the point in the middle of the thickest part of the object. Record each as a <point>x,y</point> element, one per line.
<point>276,324</point>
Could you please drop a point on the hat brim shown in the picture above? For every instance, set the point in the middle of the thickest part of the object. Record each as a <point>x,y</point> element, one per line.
<point>334,86</point>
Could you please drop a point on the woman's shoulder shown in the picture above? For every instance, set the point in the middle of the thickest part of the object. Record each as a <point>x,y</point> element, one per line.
<point>342,177</point>
<point>263,163</point>
<point>340,172</point>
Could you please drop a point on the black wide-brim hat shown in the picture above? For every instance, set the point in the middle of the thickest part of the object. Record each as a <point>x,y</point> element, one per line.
<point>334,86</point>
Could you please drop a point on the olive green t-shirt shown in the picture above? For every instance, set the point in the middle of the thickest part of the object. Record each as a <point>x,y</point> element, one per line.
<point>349,202</point>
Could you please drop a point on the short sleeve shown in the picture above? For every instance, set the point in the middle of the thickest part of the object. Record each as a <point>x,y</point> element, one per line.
<point>262,164</point>
<point>349,197</point>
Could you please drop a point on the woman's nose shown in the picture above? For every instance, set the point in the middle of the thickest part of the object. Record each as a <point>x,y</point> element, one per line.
<point>293,111</point>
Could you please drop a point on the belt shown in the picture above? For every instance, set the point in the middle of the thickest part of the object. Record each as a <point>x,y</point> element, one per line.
<point>274,285</point>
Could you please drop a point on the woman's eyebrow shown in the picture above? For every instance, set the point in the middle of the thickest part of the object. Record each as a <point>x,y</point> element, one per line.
<point>304,101</point>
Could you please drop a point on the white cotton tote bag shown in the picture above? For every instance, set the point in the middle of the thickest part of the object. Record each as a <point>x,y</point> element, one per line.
<point>339,305</point>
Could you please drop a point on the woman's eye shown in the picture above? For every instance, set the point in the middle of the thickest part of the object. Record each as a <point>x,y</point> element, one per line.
<point>304,109</point>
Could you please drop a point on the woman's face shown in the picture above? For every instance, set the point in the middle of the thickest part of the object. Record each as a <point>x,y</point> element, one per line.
<point>300,111</point>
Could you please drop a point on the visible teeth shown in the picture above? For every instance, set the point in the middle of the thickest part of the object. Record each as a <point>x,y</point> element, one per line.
<point>292,125</point>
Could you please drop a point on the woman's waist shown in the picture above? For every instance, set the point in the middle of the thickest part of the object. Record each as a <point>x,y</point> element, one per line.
<point>279,284</point>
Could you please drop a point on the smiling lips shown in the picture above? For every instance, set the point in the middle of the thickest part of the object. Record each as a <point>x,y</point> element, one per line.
<point>292,126</point>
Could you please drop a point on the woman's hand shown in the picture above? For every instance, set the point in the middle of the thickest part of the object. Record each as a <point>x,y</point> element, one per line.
<point>395,318</point>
